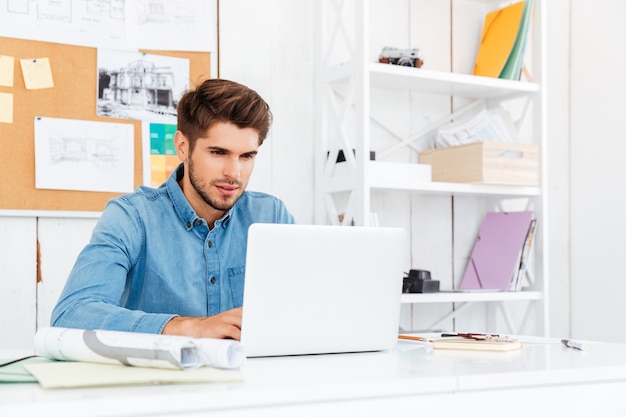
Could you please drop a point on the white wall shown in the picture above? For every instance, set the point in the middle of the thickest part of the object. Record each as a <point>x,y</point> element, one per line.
<point>18,281</point>
<point>268,48</point>
<point>29,239</point>
<point>58,251</point>
<point>598,169</point>
<point>557,82</point>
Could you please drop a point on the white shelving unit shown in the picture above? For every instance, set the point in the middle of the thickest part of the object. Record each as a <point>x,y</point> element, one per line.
<point>344,118</point>
<point>394,77</point>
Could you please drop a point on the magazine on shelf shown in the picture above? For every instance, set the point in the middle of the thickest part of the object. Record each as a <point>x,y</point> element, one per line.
<point>495,259</point>
<point>137,349</point>
<point>488,125</point>
<point>518,279</point>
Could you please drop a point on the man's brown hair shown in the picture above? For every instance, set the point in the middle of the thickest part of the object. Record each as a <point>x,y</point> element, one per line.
<point>218,100</point>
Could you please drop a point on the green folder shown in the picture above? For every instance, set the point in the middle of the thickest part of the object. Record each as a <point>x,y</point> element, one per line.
<point>513,67</point>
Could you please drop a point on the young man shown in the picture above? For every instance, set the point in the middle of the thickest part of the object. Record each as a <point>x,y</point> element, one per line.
<point>171,260</point>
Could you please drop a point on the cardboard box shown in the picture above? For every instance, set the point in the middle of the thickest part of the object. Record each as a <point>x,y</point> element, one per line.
<point>485,162</point>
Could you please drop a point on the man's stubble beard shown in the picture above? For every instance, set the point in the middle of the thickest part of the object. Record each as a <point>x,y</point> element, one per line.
<point>199,186</point>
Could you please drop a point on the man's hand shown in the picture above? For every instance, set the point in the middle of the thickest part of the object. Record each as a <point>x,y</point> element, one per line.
<point>226,325</point>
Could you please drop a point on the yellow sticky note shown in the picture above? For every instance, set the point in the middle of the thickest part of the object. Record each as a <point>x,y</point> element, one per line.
<point>7,64</point>
<point>6,108</point>
<point>37,73</point>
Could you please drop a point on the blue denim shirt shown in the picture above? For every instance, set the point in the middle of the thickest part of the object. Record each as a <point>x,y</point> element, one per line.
<point>151,258</point>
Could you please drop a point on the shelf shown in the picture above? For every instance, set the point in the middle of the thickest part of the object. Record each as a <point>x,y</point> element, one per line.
<point>387,176</point>
<point>51,213</point>
<point>396,77</point>
<point>461,297</point>
<point>450,188</point>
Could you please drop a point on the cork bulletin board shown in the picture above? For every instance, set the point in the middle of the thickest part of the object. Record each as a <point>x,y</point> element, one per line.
<point>74,71</point>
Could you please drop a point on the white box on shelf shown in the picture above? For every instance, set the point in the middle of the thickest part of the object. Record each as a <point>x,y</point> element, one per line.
<point>399,174</point>
<point>390,174</point>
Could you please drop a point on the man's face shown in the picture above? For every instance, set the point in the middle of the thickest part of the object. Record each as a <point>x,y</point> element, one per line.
<point>219,167</point>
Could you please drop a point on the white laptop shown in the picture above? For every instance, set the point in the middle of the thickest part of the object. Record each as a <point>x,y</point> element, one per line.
<point>322,289</point>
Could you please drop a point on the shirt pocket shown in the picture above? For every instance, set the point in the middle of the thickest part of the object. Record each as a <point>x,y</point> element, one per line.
<point>236,277</point>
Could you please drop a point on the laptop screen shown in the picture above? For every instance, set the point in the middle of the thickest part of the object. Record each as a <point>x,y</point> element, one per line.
<point>322,289</point>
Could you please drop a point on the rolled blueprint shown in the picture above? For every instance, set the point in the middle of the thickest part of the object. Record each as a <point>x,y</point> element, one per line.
<point>137,349</point>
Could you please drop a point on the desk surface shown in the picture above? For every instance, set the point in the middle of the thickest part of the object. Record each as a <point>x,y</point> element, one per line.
<point>410,377</point>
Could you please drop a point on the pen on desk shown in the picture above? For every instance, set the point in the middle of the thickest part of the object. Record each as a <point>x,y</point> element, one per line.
<point>572,344</point>
<point>416,338</point>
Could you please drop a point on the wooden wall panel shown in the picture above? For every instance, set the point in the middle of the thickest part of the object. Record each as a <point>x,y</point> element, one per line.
<point>18,281</point>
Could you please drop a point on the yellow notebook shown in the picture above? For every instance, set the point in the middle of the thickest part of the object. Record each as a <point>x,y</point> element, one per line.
<point>498,38</point>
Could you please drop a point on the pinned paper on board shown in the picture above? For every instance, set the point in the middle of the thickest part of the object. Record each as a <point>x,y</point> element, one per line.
<point>83,155</point>
<point>503,41</point>
<point>7,64</point>
<point>6,108</point>
<point>37,73</point>
<point>495,257</point>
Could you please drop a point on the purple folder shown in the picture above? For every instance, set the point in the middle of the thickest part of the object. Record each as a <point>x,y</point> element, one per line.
<point>495,257</point>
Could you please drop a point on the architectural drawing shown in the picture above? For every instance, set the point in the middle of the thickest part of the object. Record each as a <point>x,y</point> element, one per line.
<point>139,87</point>
<point>101,152</point>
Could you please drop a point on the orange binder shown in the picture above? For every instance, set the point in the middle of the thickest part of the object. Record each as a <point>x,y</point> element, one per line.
<point>498,38</point>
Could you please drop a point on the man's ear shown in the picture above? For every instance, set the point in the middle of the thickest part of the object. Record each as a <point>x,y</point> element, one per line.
<point>181,145</point>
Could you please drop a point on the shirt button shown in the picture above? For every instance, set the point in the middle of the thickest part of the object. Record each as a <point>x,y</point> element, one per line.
<point>210,244</point>
<point>188,224</point>
<point>212,280</point>
<point>198,222</point>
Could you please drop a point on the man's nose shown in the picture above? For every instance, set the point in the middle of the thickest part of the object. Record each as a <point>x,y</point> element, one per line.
<point>233,168</point>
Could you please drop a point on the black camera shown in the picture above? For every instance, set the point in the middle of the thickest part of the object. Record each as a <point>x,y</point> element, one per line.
<point>403,57</point>
<point>418,280</point>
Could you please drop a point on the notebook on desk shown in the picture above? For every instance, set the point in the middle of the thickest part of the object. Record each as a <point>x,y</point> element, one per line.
<point>322,289</point>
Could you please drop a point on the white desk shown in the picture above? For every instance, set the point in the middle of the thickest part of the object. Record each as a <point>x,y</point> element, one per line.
<point>542,377</point>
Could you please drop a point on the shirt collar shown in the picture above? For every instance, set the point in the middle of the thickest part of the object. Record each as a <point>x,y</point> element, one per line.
<point>182,207</point>
<point>225,218</point>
